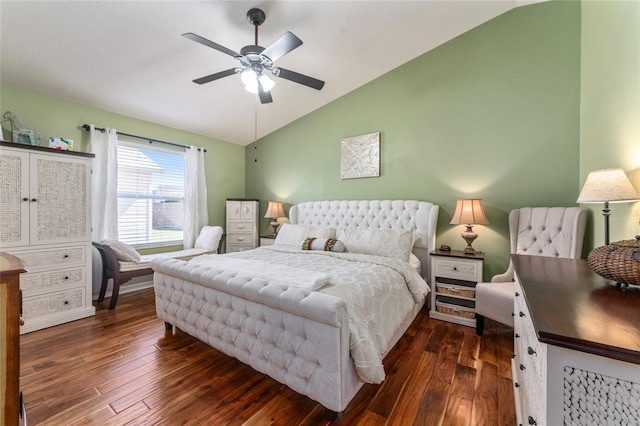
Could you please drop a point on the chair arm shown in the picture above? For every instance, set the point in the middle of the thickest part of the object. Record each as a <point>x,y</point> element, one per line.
<point>507,276</point>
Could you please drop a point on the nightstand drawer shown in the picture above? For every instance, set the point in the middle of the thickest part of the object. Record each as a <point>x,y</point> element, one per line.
<point>457,269</point>
<point>240,226</point>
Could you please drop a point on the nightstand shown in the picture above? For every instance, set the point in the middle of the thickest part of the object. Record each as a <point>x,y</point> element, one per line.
<point>454,276</point>
<point>267,240</point>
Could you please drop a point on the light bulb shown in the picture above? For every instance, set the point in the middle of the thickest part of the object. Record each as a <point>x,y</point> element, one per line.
<point>250,80</point>
<point>267,83</point>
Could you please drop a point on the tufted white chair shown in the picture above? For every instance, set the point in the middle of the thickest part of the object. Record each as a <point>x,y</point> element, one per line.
<point>534,231</point>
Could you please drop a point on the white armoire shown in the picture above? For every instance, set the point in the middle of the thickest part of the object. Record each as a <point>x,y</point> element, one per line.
<point>45,220</point>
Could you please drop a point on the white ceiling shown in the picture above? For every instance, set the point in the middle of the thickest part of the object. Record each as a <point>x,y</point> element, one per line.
<point>128,57</point>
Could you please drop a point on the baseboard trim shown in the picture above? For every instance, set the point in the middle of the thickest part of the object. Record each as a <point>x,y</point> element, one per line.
<point>127,288</point>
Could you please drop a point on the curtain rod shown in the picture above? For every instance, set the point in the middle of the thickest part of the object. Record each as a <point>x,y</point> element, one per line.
<point>150,140</point>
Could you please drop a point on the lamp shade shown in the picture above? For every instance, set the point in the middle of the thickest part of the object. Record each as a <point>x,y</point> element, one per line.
<point>469,212</point>
<point>274,210</point>
<point>610,185</point>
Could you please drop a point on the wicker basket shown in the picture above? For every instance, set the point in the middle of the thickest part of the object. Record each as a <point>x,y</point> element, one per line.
<point>454,290</point>
<point>619,261</point>
<point>457,310</point>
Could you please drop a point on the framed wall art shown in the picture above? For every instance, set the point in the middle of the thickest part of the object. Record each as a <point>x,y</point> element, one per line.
<point>360,156</point>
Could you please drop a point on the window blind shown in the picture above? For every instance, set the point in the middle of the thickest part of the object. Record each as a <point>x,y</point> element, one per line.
<point>150,195</point>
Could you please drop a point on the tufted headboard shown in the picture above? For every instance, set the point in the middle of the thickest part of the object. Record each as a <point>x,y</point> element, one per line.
<point>419,216</point>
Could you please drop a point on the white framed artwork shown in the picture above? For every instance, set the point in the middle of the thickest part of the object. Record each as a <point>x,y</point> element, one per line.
<point>360,156</point>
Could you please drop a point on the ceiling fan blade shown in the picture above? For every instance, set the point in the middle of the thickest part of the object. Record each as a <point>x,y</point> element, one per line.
<point>285,44</point>
<point>209,43</point>
<point>299,78</point>
<point>265,97</point>
<point>216,76</point>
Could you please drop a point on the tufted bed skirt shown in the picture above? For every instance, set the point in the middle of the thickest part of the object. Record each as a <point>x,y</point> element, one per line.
<point>297,336</point>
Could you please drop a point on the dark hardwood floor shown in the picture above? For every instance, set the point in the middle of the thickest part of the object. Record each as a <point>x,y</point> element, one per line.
<point>121,367</point>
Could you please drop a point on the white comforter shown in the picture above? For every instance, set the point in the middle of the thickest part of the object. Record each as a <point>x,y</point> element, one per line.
<point>379,292</point>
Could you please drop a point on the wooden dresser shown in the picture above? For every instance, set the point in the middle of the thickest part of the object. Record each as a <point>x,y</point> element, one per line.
<point>11,408</point>
<point>577,345</point>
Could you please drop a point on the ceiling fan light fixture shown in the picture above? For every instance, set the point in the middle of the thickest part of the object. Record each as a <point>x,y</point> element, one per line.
<point>250,80</point>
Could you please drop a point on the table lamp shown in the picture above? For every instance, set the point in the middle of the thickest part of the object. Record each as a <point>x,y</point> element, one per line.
<point>607,186</point>
<point>469,213</point>
<point>274,211</point>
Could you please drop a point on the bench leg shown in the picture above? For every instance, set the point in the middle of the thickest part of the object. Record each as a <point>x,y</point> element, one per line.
<point>168,326</point>
<point>114,294</point>
<point>103,288</point>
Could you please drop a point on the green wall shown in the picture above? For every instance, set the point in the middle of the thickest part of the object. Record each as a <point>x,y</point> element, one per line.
<point>492,114</point>
<point>610,106</point>
<point>59,118</point>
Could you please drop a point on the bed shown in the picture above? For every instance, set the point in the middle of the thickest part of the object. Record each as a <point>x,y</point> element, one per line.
<point>318,320</point>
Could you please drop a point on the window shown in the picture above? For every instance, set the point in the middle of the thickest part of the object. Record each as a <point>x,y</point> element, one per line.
<point>150,195</point>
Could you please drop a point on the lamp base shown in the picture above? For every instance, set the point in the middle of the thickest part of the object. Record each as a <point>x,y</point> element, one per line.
<point>275,225</point>
<point>469,236</point>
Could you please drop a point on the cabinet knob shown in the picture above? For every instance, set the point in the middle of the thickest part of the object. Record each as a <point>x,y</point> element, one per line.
<point>33,200</point>
<point>517,336</point>
<point>522,367</point>
<point>516,384</point>
<point>21,321</point>
<point>530,350</point>
<point>517,294</point>
<point>25,199</point>
<point>521,314</point>
<point>66,302</point>
<point>532,421</point>
<point>455,269</point>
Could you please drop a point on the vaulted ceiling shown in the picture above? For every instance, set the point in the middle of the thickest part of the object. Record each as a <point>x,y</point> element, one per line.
<point>128,57</point>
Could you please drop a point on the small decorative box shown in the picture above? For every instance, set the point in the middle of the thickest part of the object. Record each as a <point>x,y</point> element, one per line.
<point>61,144</point>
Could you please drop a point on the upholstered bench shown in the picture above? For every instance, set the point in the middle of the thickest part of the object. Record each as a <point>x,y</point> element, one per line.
<point>121,263</point>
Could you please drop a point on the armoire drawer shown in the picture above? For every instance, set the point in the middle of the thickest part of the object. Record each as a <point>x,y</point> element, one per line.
<point>53,258</point>
<point>46,281</point>
<point>52,303</point>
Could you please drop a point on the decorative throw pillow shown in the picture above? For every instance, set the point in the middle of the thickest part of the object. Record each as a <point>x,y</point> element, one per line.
<point>392,243</point>
<point>325,244</point>
<point>209,238</point>
<point>294,235</point>
<point>123,251</point>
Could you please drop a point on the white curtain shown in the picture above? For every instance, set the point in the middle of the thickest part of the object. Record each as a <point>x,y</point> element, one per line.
<point>104,187</point>
<point>196,214</point>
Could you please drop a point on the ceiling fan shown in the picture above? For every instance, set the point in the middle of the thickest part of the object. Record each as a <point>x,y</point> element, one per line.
<point>256,60</point>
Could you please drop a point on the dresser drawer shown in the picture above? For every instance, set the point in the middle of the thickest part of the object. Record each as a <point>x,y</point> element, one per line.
<point>53,258</point>
<point>232,248</point>
<point>53,303</point>
<point>43,281</point>
<point>457,269</point>
<point>240,227</point>
<point>239,239</point>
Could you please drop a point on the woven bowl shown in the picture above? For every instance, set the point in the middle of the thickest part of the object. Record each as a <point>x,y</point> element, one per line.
<point>619,261</point>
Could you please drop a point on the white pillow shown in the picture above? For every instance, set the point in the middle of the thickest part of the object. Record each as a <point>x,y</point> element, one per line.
<point>294,235</point>
<point>392,243</point>
<point>123,251</point>
<point>209,238</point>
<point>415,263</point>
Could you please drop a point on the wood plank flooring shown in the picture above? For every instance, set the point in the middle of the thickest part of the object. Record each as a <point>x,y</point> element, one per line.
<point>122,368</point>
